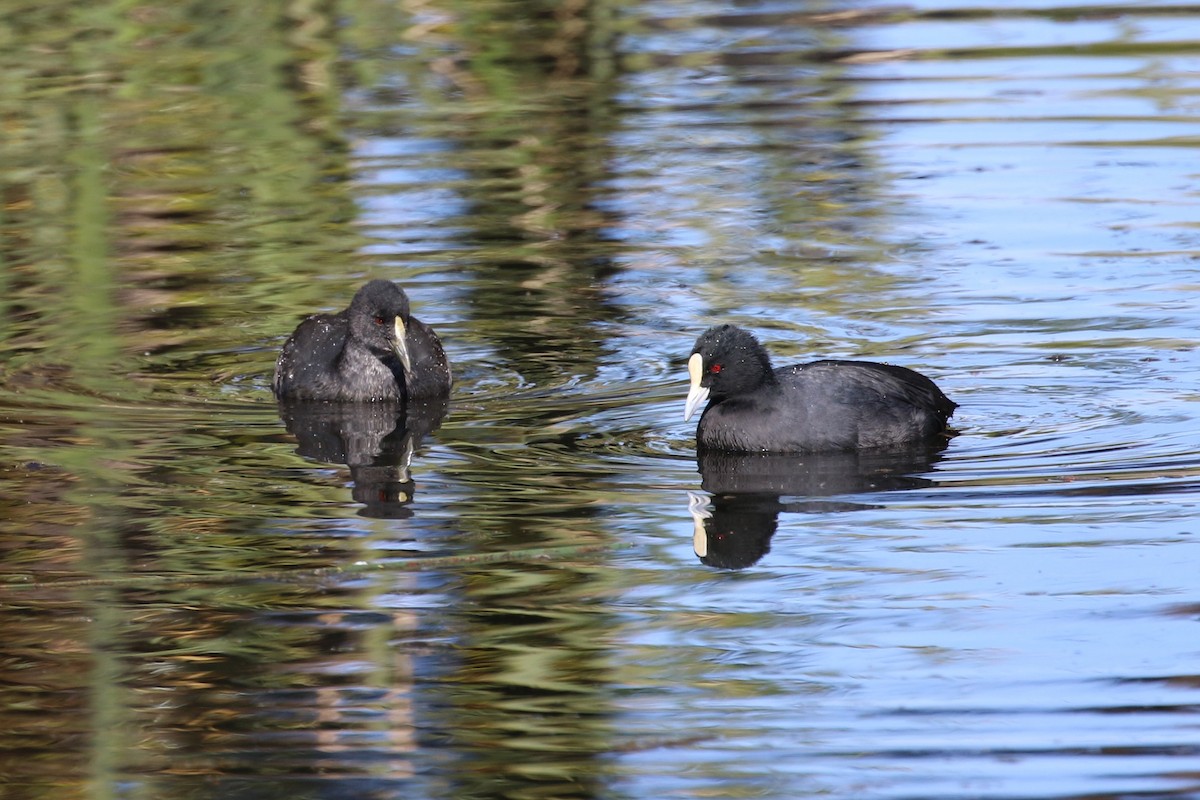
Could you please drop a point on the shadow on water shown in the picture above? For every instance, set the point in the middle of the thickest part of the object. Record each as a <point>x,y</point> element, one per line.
<point>750,490</point>
<point>375,440</point>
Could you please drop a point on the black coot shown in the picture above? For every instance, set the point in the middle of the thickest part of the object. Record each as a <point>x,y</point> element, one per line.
<point>372,351</point>
<point>824,406</point>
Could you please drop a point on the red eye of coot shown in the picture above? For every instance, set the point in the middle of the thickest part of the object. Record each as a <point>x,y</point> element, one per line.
<point>381,320</point>
<point>714,369</point>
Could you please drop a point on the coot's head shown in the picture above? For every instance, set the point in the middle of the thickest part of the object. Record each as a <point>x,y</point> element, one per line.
<point>378,315</point>
<point>726,361</point>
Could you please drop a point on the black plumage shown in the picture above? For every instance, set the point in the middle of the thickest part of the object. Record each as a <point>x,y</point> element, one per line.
<point>823,406</point>
<point>374,350</point>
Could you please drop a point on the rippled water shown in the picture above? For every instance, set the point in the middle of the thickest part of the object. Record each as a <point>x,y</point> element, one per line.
<point>543,594</point>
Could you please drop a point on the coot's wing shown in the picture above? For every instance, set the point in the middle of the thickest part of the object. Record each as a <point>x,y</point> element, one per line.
<point>430,375</point>
<point>893,385</point>
<point>309,356</point>
<point>874,405</point>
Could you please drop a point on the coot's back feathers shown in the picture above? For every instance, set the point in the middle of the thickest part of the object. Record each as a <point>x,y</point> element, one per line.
<point>374,350</point>
<point>822,406</point>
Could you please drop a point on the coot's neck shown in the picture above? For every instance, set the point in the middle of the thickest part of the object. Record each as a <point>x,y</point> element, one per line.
<point>367,369</point>
<point>763,381</point>
<point>396,367</point>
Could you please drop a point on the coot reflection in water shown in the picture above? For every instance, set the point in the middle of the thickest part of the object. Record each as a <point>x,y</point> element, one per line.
<point>375,440</point>
<point>748,491</point>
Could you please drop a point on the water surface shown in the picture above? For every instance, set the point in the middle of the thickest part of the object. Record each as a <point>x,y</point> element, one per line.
<point>544,594</point>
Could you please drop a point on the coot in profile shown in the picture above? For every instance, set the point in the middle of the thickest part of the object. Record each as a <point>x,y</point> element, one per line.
<point>375,350</point>
<point>823,406</point>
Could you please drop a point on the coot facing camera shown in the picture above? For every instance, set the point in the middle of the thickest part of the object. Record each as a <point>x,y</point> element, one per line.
<point>823,406</point>
<point>375,350</point>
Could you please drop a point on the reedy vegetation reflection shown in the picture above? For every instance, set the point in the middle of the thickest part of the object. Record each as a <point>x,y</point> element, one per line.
<point>177,184</point>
